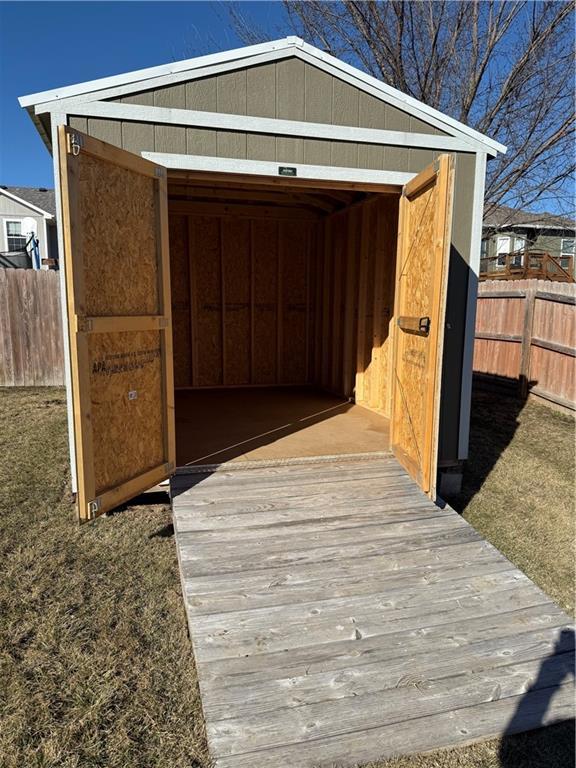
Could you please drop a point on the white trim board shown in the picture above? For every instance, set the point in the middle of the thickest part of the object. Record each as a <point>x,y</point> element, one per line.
<point>191,68</point>
<point>471,298</point>
<point>140,76</point>
<point>21,200</point>
<point>160,82</point>
<point>327,173</point>
<point>55,121</point>
<point>249,124</point>
<point>403,101</point>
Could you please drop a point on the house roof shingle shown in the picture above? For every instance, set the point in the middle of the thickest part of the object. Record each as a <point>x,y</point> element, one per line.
<point>39,196</point>
<point>501,216</point>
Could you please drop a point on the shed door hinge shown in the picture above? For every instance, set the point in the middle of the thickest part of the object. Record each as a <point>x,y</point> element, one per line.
<point>93,508</point>
<point>74,144</point>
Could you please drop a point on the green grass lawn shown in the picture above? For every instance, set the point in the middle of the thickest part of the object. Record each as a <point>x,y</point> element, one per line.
<point>96,669</point>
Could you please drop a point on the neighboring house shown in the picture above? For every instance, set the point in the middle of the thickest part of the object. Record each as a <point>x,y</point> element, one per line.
<point>510,231</point>
<point>25,211</point>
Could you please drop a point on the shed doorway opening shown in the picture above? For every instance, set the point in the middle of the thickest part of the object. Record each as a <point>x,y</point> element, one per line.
<point>261,287</point>
<point>282,299</point>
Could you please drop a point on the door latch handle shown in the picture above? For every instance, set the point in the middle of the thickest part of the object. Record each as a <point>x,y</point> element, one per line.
<point>420,326</point>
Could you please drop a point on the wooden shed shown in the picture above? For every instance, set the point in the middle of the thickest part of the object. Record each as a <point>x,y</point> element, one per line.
<point>258,244</point>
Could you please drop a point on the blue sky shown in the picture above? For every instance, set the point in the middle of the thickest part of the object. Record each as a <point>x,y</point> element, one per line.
<point>48,44</point>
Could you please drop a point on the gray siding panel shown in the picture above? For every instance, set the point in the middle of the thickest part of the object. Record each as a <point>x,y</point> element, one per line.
<point>260,147</point>
<point>201,96</point>
<point>168,137</point>
<point>106,130</point>
<point>261,91</point>
<point>319,92</point>
<point>458,277</point>
<point>317,152</point>
<point>80,123</point>
<point>138,137</point>
<point>289,89</point>
<point>289,150</point>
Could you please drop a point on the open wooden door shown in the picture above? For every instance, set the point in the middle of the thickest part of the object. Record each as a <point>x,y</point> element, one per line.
<point>115,226</point>
<point>419,309</point>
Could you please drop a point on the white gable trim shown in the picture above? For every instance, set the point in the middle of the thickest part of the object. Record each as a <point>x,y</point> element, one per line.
<point>266,125</point>
<point>61,105</point>
<point>140,76</point>
<point>32,207</point>
<point>243,57</point>
<point>396,97</point>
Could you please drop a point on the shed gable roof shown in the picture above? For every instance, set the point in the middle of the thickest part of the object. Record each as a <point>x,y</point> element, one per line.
<point>119,86</point>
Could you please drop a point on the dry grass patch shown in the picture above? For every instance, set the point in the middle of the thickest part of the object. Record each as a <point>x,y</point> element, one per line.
<point>519,488</point>
<point>96,668</point>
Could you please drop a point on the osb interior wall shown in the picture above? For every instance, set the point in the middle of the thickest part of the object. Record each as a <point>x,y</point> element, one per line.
<point>355,297</point>
<point>242,300</point>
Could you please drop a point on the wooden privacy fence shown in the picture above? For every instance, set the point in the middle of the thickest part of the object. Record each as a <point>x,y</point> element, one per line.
<point>31,346</point>
<point>526,337</point>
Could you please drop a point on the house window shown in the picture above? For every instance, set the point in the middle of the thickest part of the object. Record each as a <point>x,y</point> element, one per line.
<point>519,246</point>
<point>502,250</point>
<point>567,253</point>
<point>15,240</point>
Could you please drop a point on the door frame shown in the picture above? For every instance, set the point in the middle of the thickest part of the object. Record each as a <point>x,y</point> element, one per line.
<point>307,175</point>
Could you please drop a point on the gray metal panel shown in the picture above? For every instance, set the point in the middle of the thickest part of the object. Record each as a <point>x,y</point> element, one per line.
<point>458,277</point>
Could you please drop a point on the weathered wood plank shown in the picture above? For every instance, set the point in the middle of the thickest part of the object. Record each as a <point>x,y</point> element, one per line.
<point>206,531</point>
<point>323,554</point>
<point>294,591</point>
<point>338,616</point>
<point>395,673</point>
<point>294,626</point>
<point>379,648</point>
<point>396,503</point>
<point>413,698</point>
<point>451,727</point>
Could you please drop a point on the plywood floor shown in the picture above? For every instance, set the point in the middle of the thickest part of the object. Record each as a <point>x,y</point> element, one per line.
<point>284,422</point>
<point>338,616</point>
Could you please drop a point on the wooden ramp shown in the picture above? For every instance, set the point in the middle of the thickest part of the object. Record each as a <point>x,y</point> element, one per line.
<point>338,616</point>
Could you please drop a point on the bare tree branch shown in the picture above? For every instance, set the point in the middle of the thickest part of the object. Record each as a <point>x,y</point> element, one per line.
<point>504,67</point>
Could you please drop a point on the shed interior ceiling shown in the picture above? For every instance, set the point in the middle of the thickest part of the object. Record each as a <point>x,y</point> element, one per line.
<point>278,286</point>
<point>306,202</point>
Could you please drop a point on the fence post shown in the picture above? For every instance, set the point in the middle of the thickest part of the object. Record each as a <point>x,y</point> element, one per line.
<point>527,338</point>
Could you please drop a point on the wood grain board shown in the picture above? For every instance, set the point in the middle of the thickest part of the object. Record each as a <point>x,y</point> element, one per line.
<point>526,338</point>
<point>31,343</point>
<point>338,616</point>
